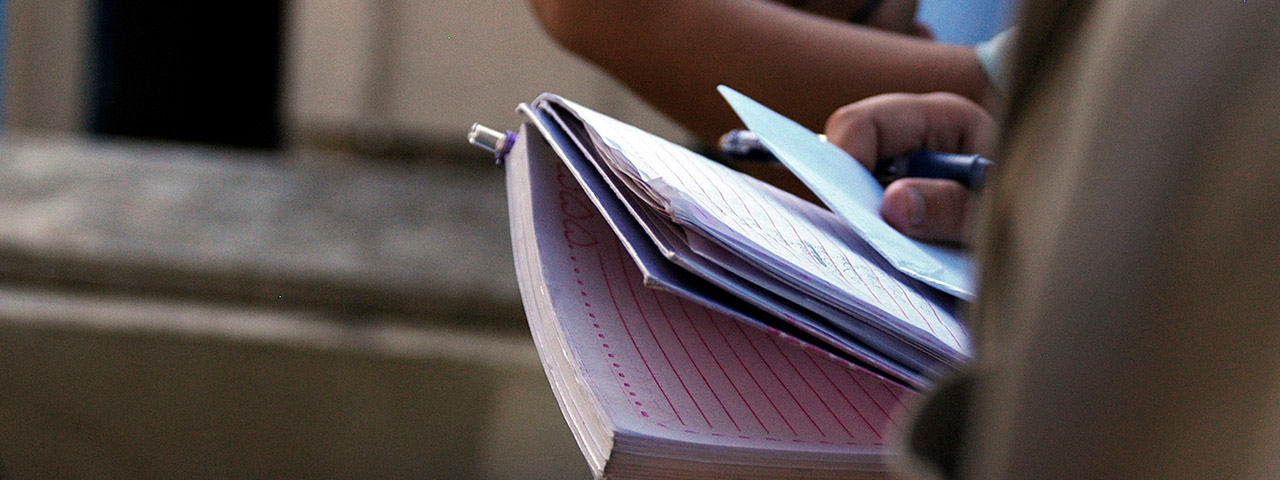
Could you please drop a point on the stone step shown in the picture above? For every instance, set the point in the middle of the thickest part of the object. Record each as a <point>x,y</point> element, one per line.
<point>428,239</point>
<point>104,386</point>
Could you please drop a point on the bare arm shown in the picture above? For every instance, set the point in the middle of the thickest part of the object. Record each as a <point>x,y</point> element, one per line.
<point>673,53</point>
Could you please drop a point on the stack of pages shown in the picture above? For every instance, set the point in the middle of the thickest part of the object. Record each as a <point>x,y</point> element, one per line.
<point>697,323</point>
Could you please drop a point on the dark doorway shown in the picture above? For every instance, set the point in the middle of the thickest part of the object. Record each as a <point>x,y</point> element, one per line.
<point>206,72</point>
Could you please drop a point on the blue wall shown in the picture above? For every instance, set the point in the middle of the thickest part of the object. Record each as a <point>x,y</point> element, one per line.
<point>966,22</point>
<point>4,48</point>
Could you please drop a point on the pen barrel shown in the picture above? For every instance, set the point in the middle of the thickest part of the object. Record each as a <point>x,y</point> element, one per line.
<point>744,145</point>
<point>968,169</point>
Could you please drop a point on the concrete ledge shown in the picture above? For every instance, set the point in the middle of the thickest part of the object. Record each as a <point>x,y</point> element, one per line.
<point>99,387</point>
<point>192,313</point>
<point>314,230</point>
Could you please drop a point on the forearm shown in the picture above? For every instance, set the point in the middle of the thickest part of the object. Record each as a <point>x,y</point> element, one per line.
<point>674,53</point>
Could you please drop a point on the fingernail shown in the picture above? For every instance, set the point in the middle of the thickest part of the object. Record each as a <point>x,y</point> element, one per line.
<point>915,207</point>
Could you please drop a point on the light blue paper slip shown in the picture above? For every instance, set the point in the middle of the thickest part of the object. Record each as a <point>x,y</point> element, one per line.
<point>853,194</point>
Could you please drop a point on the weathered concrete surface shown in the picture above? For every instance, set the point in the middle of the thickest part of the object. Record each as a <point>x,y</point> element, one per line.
<point>170,312</point>
<point>423,238</point>
<point>103,387</point>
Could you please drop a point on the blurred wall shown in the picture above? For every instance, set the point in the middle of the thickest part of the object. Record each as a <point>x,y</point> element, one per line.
<point>4,28</point>
<point>421,69</point>
<point>48,44</point>
<point>433,67</point>
<point>966,22</point>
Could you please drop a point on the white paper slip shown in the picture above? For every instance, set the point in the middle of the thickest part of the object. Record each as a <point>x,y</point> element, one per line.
<point>851,192</point>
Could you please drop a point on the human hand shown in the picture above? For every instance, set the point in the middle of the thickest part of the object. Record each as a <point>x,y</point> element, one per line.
<point>890,15</point>
<point>893,124</point>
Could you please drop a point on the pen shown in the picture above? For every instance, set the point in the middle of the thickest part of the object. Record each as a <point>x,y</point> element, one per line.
<point>499,143</point>
<point>968,169</point>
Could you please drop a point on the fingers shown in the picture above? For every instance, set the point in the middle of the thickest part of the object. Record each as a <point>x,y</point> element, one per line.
<point>923,31</point>
<point>889,125</point>
<point>894,15</point>
<point>834,9</point>
<point>927,208</point>
<point>897,16</point>
<point>884,126</point>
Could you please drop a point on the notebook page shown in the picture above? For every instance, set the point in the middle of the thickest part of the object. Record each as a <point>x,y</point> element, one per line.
<point>734,210</point>
<point>658,271</point>
<point>664,367</point>
<point>671,246</point>
<point>590,429</point>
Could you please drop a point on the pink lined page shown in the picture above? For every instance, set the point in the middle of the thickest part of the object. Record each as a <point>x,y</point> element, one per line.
<point>662,366</point>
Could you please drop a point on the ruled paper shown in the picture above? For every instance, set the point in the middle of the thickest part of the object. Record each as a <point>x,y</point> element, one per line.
<point>678,261</point>
<point>662,367</point>
<point>792,239</point>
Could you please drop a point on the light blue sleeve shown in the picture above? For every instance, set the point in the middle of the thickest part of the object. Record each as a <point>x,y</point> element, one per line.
<point>994,56</point>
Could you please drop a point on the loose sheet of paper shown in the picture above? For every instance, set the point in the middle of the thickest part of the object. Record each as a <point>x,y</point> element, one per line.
<point>854,194</point>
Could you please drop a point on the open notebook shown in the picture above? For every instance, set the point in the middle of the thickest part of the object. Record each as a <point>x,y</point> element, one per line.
<point>696,323</point>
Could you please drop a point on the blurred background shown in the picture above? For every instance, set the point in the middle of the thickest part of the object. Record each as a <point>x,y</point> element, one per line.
<point>246,239</point>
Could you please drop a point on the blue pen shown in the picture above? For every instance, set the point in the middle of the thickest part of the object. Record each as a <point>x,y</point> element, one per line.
<point>970,170</point>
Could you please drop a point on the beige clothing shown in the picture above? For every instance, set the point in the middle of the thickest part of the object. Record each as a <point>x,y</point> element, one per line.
<point>1129,312</point>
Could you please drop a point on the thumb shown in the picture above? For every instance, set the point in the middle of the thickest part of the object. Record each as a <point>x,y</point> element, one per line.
<point>927,208</point>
